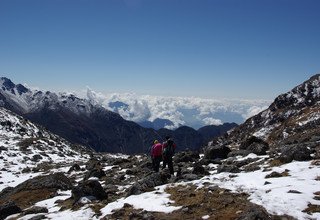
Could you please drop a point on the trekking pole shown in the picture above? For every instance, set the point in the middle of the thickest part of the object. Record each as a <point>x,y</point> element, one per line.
<point>161,139</point>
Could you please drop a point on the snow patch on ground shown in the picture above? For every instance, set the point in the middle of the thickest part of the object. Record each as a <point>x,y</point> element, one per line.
<point>155,201</point>
<point>264,132</point>
<point>275,197</point>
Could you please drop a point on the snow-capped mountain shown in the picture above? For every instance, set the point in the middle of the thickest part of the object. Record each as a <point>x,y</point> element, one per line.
<point>23,100</point>
<point>293,117</point>
<point>87,122</point>
<point>78,120</point>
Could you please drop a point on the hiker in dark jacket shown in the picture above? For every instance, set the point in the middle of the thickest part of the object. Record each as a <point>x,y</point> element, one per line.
<point>156,155</point>
<point>168,149</point>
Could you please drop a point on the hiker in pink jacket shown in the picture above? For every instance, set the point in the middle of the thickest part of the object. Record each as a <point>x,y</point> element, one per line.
<point>156,155</point>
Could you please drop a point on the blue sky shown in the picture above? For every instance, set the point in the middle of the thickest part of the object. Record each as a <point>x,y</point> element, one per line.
<point>204,48</point>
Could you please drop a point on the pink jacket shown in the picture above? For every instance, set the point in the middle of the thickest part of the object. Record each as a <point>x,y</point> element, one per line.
<point>156,150</point>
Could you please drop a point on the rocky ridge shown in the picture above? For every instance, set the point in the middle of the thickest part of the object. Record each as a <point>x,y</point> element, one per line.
<point>292,119</point>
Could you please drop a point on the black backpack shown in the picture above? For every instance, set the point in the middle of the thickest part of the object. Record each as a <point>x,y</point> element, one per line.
<point>169,149</point>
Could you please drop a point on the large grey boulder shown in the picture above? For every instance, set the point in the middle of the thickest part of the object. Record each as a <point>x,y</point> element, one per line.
<point>255,145</point>
<point>216,152</point>
<point>148,183</point>
<point>186,156</point>
<point>295,152</point>
<point>39,188</point>
<point>255,212</point>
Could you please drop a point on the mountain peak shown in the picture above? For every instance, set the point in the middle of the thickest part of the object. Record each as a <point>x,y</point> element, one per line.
<point>292,118</point>
<point>7,84</point>
<point>305,94</point>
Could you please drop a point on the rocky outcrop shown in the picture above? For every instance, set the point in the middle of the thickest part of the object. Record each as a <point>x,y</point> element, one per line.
<point>255,145</point>
<point>255,212</point>
<point>149,182</point>
<point>298,152</point>
<point>37,189</point>
<point>186,156</point>
<point>217,152</point>
<point>291,120</point>
<point>95,169</point>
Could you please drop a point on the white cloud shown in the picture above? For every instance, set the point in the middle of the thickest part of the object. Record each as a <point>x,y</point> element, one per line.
<point>194,112</point>
<point>212,121</point>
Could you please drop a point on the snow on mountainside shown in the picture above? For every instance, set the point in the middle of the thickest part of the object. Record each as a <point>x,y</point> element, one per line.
<point>25,147</point>
<point>293,117</point>
<point>24,100</point>
<point>87,122</point>
<point>78,120</point>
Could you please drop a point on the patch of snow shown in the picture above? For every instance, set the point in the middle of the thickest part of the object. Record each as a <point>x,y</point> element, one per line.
<point>206,217</point>
<point>313,117</point>
<point>264,132</point>
<point>275,197</point>
<point>155,201</point>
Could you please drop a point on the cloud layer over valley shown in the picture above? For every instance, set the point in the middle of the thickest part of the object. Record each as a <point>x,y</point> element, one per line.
<point>190,111</point>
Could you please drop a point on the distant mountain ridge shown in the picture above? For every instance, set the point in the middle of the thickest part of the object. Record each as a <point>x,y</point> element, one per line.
<point>85,122</point>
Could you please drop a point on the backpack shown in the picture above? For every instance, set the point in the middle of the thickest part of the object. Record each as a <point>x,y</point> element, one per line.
<point>169,149</point>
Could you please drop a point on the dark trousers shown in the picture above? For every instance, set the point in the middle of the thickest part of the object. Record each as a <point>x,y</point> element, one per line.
<point>156,163</point>
<point>168,160</point>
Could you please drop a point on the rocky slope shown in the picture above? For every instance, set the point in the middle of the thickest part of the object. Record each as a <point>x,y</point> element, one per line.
<point>293,118</point>
<point>25,147</point>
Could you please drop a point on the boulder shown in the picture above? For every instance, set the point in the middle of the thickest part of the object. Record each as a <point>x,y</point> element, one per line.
<point>295,152</point>
<point>94,168</point>
<point>93,163</point>
<point>255,145</point>
<point>74,167</point>
<point>149,182</point>
<point>255,212</point>
<point>36,158</point>
<point>87,189</point>
<point>228,169</point>
<point>198,169</point>
<point>236,153</point>
<point>53,181</point>
<point>215,152</point>
<point>37,189</point>
<point>186,156</point>
<point>189,177</point>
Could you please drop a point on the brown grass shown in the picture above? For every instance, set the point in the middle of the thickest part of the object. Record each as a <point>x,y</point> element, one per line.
<point>312,209</point>
<point>25,199</point>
